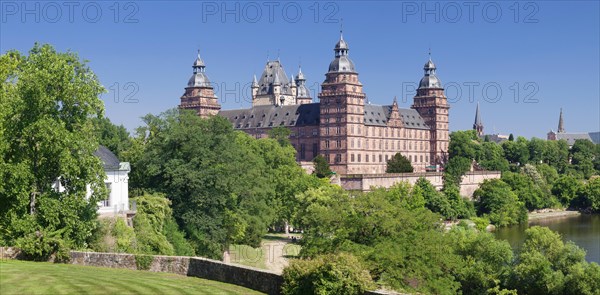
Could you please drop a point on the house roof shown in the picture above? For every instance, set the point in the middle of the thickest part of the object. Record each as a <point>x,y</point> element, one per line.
<point>108,158</point>
<point>572,137</point>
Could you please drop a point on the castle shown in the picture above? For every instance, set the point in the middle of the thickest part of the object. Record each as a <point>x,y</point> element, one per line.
<point>356,137</point>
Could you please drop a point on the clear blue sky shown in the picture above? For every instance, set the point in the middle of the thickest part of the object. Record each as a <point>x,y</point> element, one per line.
<point>549,49</point>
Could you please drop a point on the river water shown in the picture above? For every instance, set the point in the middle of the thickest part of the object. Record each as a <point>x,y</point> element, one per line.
<point>583,230</point>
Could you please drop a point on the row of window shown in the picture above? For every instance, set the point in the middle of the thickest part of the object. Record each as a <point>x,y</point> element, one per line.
<point>372,158</point>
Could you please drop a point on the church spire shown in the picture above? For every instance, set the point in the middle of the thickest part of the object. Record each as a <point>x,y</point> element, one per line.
<point>478,125</point>
<point>561,124</point>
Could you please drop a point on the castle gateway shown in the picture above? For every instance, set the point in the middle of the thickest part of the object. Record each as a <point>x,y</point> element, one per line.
<point>356,137</point>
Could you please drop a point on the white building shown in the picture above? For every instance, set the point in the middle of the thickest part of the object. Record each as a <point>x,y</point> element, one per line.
<point>116,182</point>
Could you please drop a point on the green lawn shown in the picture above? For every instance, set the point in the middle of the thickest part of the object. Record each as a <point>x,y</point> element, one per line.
<point>24,277</point>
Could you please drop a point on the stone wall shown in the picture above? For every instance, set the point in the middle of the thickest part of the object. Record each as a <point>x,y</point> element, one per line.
<point>256,279</point>
<point>470,181</point>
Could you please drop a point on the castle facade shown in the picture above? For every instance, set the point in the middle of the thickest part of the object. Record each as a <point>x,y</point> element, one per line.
<point>356,137</point>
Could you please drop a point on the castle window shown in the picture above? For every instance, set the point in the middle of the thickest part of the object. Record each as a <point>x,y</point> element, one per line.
<point>359,160</point>
<point>315,150</point>
<point>373,157</point>
<point>386,158</point>
<point>271,123</point>
<point>338,144</point>
<point>236,117</point>
<point>351,157</point>
<point>367,158</point>
<point>259,124</point>
<point>281,124</point>
<point>380,158</point>
<point>421,158</point>
<point>251,116</point>
<point>351,143</point>
<point>302,152</point>
<point>338,158</point>
<point>247,125</point>
<point>327,144</point>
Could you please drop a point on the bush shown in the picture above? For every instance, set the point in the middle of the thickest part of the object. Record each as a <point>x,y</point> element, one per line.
<point>42,247</point>
<point>143,262</point>
<point>481,223</point>
<point>327,274</point>
<point>399,164</point>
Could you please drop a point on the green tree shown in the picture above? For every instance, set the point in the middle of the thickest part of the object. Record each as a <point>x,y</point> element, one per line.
<point>281,134</point>
<point>566,189</point>
<point>115,138</point>
<point>215,177</point>
<point>463,144</point>
<point>48,99</point>
<point>537,148</point>
<point>492,157</point>
<point>327,274</point>
<point>527,191</point>
<point>516,152</point>
<point>321,167</point>
<point>511,137</point>
<point>544,262</point>
<point>399,164</point>
<point>556,154</point>
<point>495,200</point>
<point>486,260</point>
<point>582,155</point>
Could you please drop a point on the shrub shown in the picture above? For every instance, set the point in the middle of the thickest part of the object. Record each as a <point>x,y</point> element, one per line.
<point>328,274</point>
<point>41,246</point>
<point>481,223</point>
<point>143,262</point>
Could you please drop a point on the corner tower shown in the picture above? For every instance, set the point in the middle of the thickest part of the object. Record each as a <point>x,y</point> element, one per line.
<point>199,94</point>
<point>342,104</point>
<point>432,105</point>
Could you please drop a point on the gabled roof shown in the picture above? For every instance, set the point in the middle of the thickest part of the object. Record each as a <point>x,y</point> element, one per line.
<point>595,136</point>
<point>273,116</point>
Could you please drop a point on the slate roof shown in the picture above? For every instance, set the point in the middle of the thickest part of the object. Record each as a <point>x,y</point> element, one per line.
<point>273,69</point>
<point>308,115</point>
<point>109,160</point>
<point>595,136</point>
<point>273,116</point>
<point>571,137</point>
<point>378,115</point>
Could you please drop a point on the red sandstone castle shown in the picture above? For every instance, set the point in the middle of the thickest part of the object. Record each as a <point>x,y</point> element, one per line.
<point>354,136</point>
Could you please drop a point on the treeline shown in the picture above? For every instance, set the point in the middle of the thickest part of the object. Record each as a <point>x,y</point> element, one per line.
<point>388,238</point>
<point>536,174</point>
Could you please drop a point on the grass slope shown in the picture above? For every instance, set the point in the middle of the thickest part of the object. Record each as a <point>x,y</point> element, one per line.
<point>24,277</point>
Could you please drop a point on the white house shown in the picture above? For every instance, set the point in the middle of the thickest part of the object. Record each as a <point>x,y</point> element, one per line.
<point>116,182</point>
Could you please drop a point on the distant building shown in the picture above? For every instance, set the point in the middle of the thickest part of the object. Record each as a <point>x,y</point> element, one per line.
<point>356,137</point>
<point>478,125</point>
<point>570,138</point>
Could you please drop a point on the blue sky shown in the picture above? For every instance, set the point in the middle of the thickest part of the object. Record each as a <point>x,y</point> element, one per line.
<point>541,56</point>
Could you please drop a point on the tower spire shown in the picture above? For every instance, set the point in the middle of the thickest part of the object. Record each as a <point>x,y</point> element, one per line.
<point>561,124</point>
<point>478,125</point>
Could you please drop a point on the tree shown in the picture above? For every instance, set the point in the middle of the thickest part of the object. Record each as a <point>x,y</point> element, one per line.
<point>511,137</point>
<point>463,144</point>
<point>486,260</point>
<point>516,152</point>
<point>115,138</point>
<point>556,154</point>
<point>48,99</point>
<point>215,177</point>
<point>399,164</point>
<point>321,167</point>
<point>526,190</point>
<point>455,169</point>
<point>545,262</point>
<point>582,155</point>
<point>566,189</point>
<point>492,157</point>
<point>495,200</point>
<point>537,148</point>
<point>327,274</point>
<point>281,134</point>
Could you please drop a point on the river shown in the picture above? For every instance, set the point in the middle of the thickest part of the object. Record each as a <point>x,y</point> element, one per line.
<point>583,230</point>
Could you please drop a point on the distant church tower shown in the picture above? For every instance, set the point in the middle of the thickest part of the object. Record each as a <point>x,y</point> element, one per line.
<point>432,105</point>
<point>199,94</point>
<point>561,124</point>
<point>478,125</point>
<point>341,101</point>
